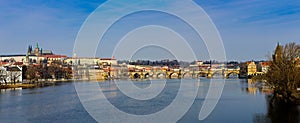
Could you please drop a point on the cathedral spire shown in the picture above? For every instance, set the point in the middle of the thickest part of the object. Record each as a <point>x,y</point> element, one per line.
<point>37,45</point>
<point>29,49</point>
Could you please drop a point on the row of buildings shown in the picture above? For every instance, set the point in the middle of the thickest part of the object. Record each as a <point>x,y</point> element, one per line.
<point>11,66</point>
<point>253,68</point>
<point>40,56</point>
<point>247,69</point>
<point>96,67</point>
<point>33,56</point>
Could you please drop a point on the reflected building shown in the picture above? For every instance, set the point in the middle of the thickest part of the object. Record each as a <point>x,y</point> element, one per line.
<point>251,89</point>
<point>254,87</point>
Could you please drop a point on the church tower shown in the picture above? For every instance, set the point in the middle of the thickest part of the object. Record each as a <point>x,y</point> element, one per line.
<point>29,50</point>
<point>278,52</point>
<point>37,50</point>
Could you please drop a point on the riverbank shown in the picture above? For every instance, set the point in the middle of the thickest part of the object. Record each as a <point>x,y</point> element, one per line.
<point>42,83</point>
<point>18,86</point>
<point>26,84</point>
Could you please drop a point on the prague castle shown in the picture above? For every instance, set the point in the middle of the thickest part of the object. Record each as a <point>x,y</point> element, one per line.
<point>33,56</point>
<point>38,51</point>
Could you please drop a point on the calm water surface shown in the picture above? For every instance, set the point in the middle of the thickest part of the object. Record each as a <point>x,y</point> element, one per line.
<point>241,101</point>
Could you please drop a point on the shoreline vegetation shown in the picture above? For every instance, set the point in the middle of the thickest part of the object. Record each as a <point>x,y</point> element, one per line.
<point>283,75</point>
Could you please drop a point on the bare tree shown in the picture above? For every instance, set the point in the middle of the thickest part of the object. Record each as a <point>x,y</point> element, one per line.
<point>14,75</point>
<point>31,73</point>
<point>283,74</point>
<point>3,76</point>
<point>14,72</point>
<point>67,73</point>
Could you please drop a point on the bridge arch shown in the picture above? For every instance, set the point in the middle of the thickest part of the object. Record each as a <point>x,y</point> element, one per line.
<point>173,75</point>
<point>230,73</point>
<point>187,74</point>
<point>136,76</point>
<point>217,72</point>
<point>160,75</point>
<point>147,75</point>
<point>201,74</point>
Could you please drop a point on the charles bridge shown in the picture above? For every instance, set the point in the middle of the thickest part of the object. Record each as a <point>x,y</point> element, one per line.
<point>155,73</point>
<point>178,73</point>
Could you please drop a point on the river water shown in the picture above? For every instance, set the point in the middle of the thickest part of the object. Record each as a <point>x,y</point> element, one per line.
<point>241,101</point>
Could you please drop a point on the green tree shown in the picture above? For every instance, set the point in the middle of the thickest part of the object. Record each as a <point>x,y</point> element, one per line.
<point>283,74</point>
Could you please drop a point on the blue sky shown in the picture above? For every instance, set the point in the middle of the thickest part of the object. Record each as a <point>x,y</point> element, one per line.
<point>249,29</point>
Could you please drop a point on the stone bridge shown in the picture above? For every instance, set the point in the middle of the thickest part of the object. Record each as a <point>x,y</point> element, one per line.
<point>209,73</point>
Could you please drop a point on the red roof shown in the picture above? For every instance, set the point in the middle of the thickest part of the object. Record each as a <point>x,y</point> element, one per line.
<point>249,62</point>
<point>18,63</point>
<point>4,62</point>
<point>54,56</point>
<point>107,59</point>
<point>83,58</point>
<point>265,63</point>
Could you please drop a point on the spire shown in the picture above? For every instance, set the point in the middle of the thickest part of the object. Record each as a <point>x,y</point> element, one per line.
<point>37,45</point>
<point>28,50</point>
<point>37,50</point>
<point>278,48</point>
<point>278,52</point>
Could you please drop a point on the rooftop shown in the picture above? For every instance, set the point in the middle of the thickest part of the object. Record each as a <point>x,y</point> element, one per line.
<point>16,55</point>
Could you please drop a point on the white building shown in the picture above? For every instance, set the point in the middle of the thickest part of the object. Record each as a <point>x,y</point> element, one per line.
<point>16,58</point>
<point>108,61</point>
<point>263,67</point>
<point>11,74</point>
<point>82,61</point>
<point>91,61</point>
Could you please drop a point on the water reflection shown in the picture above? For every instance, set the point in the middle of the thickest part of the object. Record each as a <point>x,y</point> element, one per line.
<point>254,87</point>
<point>278,113</point>
<point>10,89</point>
<point>13,91</point>
<point>275,113</point>
<point>241,101</point>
